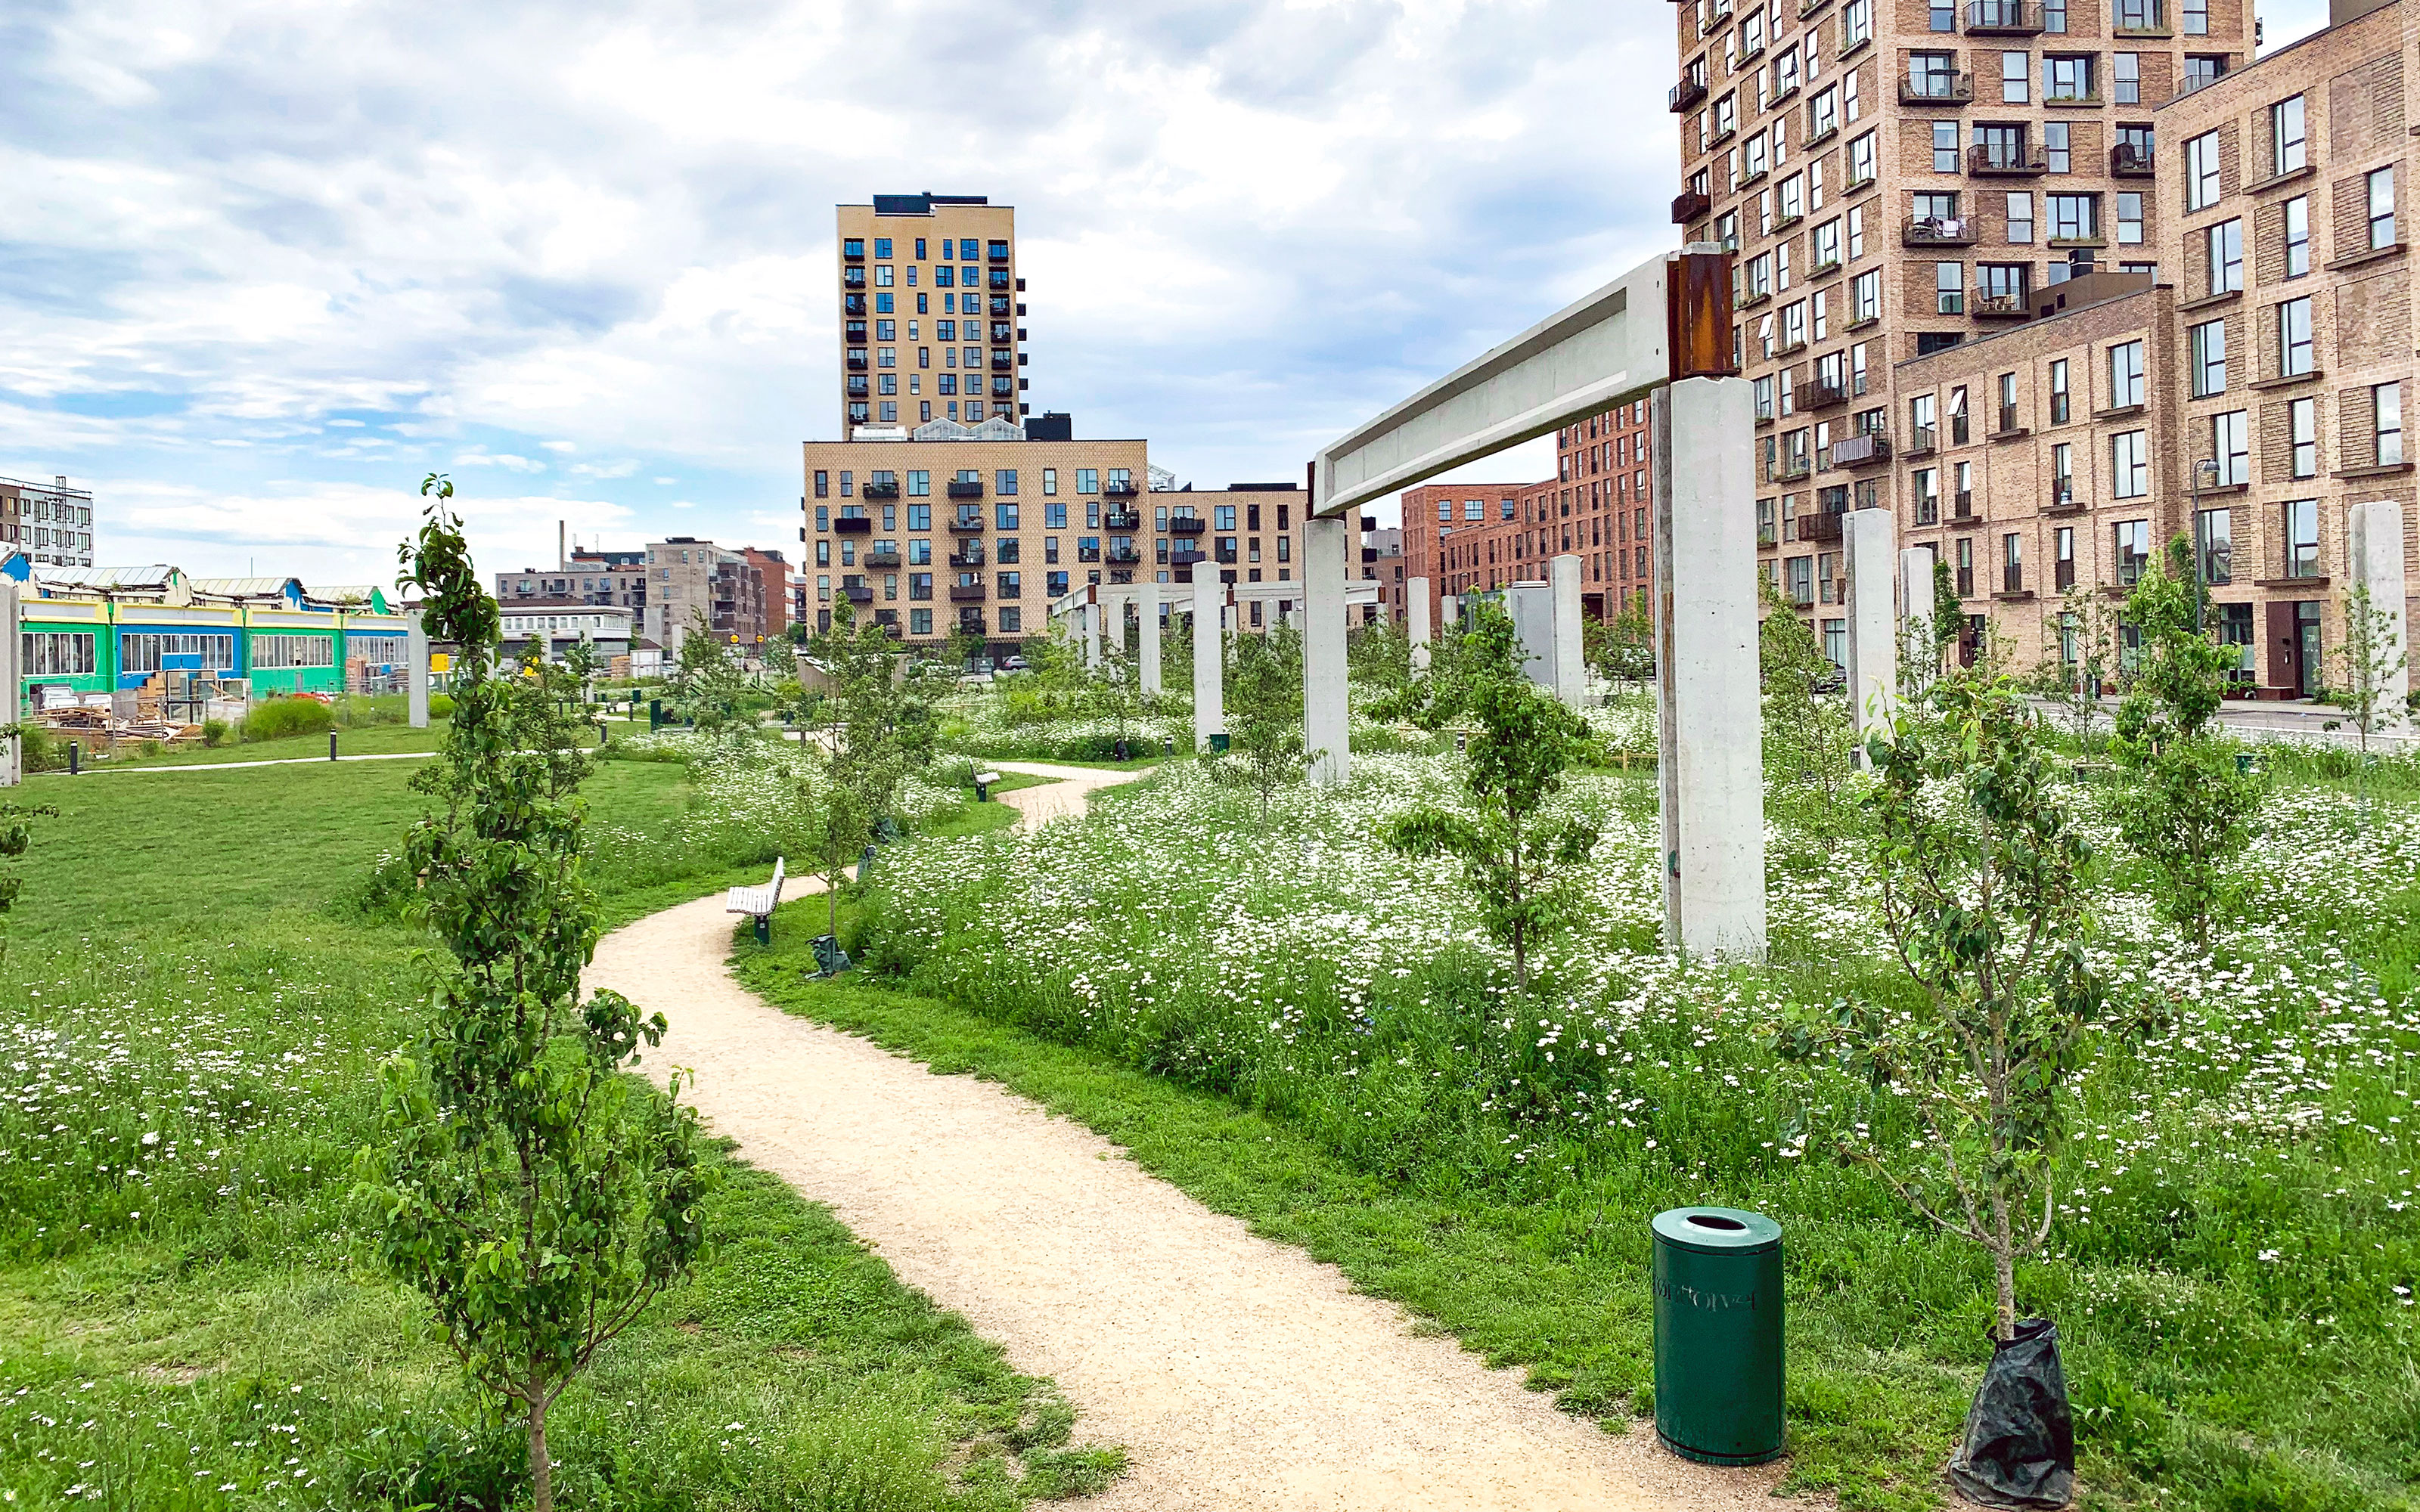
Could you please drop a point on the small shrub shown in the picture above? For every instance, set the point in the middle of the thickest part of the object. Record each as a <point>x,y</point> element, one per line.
<point>42,750</point>
<point>214,732</point>
<point>283,718</point>
<point>441,706</point>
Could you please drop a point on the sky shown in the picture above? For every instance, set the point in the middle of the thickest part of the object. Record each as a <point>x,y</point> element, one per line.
<point>265,263</point>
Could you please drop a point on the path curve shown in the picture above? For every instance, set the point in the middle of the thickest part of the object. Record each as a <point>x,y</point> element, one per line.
<point>1237,1373</point>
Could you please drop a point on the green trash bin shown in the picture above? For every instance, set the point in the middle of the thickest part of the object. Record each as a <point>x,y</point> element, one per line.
<point>1717,1284</point>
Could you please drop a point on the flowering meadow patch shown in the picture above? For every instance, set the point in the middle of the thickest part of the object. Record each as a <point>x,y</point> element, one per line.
<point>2236,1200</point>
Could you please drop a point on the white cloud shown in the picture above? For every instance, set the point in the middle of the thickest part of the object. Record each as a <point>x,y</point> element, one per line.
<point>604,470</point>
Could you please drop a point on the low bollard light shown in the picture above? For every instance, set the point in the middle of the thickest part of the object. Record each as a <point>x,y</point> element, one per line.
<point>332,745</point>
<point>75,758</point>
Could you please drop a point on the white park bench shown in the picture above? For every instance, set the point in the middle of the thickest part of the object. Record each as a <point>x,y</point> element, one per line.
<point>984,781</point>
<point>759,902</point>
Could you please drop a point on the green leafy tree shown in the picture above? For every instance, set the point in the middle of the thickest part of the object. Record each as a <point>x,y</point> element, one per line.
<point>708,680</point>
<point>1516,860</point>
<point>1622,649</point>
<point>878,716</point>
<point>1985,883</point>
<point>837,826</point>
<point>1378,656</point>
<point>1114,690</point>
<point>537,1194</point>
<point>1264,706</point>
<point>16,838</point>
<point>2188,814</point>
<point>2370,658</point>
<point>1810,737</point>
<point>2086,629</point>
<point>1487,649</point>
<point>966,646</point>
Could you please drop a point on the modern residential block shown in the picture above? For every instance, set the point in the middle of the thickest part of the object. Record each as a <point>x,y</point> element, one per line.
<point>52,524</point>
<point>932,312</point>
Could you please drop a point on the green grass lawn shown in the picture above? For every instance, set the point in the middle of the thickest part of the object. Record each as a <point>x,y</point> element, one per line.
<point>190,1009</point>
<point>360,740</point>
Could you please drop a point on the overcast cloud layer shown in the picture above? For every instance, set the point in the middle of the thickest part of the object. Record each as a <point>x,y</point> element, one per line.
<point>268,262</point>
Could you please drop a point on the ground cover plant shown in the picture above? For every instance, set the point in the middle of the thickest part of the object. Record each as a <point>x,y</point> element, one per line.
<point>200,986</point>
<point>2230,1205</point>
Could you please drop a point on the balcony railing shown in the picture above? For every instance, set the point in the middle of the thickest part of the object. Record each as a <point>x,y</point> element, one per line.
<point>1003,363</point>
<point>854,525</point>
<point>1938,89</point>
<point>1120,488</point>
<point>1822,393</point>
<point>960,488</point>
<point>2003,18</point>
<point>1962,508</point>
<point>1122,519</point>
<point>852,278</point>
<point>880,561</point>
<point>2129,161</point>
<point>967,560</point>
<point>859,594</point>
<point>1123,557</point>
<point>1685,95</point>
<point>1791,469</point>
<point>968,592</point>
<point>2012,579</point>
<point>881,490</point>
<point>857,360</point>
<point>2019,158</point>
<point>1688,205</point>
<point>1187,525</point>
<point>1824,525</point>
<point>2001,307</point>
<point>966,525</point>
<point>1185,559</point>
<point>1863,449</point>
<point>1938,231</point>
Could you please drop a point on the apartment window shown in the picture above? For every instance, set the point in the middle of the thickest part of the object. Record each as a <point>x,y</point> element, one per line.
<point>2303,424</point>
<point>2064,567</point>
<point>2126,78</point>
<point>2201,71</point>
<point>1944,146</point>
<point>2062,473</point>
<point>2208,344</point>
<point>2020,219</point>
<point>2214,545</point>
<point>2382,209</point>
<point>1865,296</point>
<point>2130,542</point>
<point>2059,392</point>
<point>2285,146</point>
<point>1856,25</point>
<point>919,484</point>
<point>2298,235</point>
<point>919,517</point>
<point>2224,244</point>
<point>2230,446</point>
<point>2013,77</point>
<point>2386,409</point>
<point>2054,147</point>
<point>2197,18</point>
<point>1088,480</point>
<point>2301,538</point>
<point>1965,566</point>
<point>2130,465</point>
<point>1054,516</point>
<point>2125,375</point>
<point>1944,15</point>
<point>2008,416</point>
<point>2013,563</point>
<point>2294,337</point>
<point>2201,172</point>
<point>2054,15</point>
<point>2129,218</point>
<point>1949,289</point>
<point>1927,497</point>
<point>1005,517</point>
<point>1004,484</point>
<point>2074,217</point>
<point>1861,160</point>
<point>1824,247</point>
<point>2068,77</point>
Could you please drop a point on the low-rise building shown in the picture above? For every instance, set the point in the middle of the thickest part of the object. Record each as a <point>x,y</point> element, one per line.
<point>563,623</point>
<point>51,524</point>
<point>1382,563</point>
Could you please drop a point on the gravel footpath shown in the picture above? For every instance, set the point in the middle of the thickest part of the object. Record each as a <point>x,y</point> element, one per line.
<point>1237,1373</point>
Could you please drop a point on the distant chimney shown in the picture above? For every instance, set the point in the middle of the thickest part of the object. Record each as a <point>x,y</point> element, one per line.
<point>562,555</point>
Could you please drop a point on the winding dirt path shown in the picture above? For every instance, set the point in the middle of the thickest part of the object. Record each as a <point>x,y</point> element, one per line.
<point>1238,1373</point>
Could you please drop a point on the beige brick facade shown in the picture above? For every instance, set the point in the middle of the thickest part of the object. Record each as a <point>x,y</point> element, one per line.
<point>932,312</point>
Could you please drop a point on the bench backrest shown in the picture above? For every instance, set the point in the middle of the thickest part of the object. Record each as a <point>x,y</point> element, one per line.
<point>778,863</point>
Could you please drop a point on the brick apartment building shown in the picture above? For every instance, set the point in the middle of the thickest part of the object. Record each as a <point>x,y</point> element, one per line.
<point>1899,177</point>
<point>774,573</point>
<point>1471,537</point>
<point>50,523</point>
<point>1382,563</point>
<point>930,312</point>
<point>616,579</point>
<point>687,577</point>
<point>2244,404</point>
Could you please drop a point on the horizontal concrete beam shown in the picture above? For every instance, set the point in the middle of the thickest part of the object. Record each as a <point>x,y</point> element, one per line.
<point>1607,349</point>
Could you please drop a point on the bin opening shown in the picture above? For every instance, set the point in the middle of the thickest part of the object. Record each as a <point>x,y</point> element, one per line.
<point>1708,1220</point>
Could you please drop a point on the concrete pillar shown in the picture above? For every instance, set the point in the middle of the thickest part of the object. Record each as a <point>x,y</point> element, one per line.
<point>2374,552</point>
<point>415,671</point>
<point>1147,651</point>
<point>1209,660</point>
<point>13,685</point>
<point>1569,659</point>
<point>1327,720</point>
<point>1709,733</point>
<point>1093,631</point>
<point>1870,541</point>
<point>1915,604</point>
<point>1450,615</point>
<point>1416,621</point>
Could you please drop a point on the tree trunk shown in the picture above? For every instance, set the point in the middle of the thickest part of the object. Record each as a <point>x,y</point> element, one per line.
<point>2003,1267</point>
<point>541,1468</point>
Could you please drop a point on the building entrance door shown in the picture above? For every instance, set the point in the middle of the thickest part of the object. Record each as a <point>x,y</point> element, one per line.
<point>2307,648</point>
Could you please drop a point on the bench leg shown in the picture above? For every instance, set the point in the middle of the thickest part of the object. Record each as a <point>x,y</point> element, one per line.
<point>763,928</point>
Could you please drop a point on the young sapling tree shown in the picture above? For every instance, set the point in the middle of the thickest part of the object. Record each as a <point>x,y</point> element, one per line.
<point>1263,705</point>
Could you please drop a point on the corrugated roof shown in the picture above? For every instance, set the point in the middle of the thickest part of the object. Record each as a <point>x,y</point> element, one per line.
<point>157,576</point>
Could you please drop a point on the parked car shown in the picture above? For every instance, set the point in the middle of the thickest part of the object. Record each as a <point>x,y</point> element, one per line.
<point>1013,664</point>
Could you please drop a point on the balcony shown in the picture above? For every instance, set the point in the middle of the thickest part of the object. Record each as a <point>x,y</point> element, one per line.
<point>1187,525</point>
<point>853,251</point>
<point>1937,231</point>
<point>1864,450</point>
<point>1688,205</point>
<point>968,592</point>
<point>858,386</point>
<point>968,558</point>
<point>2141,21</point>
<point>998,256</point>
<point>1226,555</point>
<point>858,593</point>
<point>966,525</point>
<point>1938,89</point>
<point>852,278</point>
<point>1003,363</point>
<point>2001,307</point>
<point>1962,512</point>
<point>1791,469</point>
<point>1122,556</point>
<point>2128,161</point>
<point>1824,525</point>
<point>881,490</point>
<point>999,278</point>
<point>2020,161</point>
<point>2063,501</point>
<point>2003,18</point>
<point>961,488</point>
<point>1122,519</point>
<point>881,561</point>
<point>858,360</point>
<point>1686,95</point>
<point>852,304</point>
<point>1822,393</point>
<point>1120,488</point>
<point>1185,559</point>
<point>853,525</point>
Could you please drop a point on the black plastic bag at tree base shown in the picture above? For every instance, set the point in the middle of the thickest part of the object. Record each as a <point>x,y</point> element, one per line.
<point>2020,1449</point>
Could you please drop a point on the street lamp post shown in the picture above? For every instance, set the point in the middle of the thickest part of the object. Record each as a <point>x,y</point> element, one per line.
<point>2201,588</point>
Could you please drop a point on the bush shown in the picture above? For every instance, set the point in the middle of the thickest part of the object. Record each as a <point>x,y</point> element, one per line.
<point>283,718</point>
<point>42,750</point>
<point>354,711</point>
<point>441,706</point>
<point>214,732</point>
